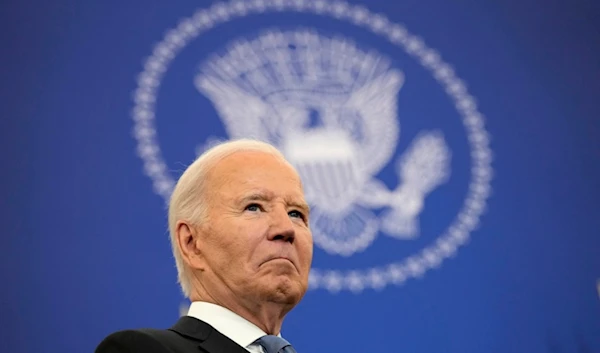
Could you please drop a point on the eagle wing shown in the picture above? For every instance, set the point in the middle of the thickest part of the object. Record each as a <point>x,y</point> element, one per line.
<point>376,103</point>
<point>242,113</point>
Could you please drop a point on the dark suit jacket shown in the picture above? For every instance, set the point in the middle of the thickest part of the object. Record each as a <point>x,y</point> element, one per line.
<point>188,335</point>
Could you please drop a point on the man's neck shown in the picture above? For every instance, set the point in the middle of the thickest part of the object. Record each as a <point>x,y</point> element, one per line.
<point>267,316</point>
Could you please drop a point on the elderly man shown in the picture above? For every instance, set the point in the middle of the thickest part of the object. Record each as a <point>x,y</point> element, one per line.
<point>239,230</point>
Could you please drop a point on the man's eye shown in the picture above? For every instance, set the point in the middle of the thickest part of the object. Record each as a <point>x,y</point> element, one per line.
<point>253,207</point>
<point>297,214</point>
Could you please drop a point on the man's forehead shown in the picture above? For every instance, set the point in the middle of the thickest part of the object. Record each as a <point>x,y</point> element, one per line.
<point>247,170</point>
<point>255,175</point>
<point>239,162</point>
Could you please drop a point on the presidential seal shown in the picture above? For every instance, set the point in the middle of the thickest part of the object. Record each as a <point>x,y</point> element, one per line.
<point>330,104</point>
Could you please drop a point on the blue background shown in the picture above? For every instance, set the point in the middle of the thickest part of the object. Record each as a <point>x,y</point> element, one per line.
<point>84,243</point>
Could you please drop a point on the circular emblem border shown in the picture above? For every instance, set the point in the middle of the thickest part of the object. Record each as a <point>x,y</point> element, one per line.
<point>377,278</point>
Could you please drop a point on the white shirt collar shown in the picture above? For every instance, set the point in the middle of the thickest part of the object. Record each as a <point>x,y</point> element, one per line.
<point>230,324</point>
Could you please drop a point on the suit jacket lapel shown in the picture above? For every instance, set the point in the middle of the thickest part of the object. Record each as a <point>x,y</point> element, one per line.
<point>209,339</point>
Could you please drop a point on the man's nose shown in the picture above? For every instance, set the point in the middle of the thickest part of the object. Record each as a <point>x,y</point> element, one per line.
<point>282,227</point>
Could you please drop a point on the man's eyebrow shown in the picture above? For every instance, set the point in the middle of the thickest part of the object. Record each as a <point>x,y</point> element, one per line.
<point>299,204</point>
<point>259,195</point>
<point>263,195</point>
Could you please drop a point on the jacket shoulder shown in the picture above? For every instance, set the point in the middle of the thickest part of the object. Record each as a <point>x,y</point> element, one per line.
<point>134,341</point>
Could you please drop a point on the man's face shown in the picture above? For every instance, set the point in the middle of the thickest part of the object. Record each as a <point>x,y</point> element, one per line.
<point>256,242</point>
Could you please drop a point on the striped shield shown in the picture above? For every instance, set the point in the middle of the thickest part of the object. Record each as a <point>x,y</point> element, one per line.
<point>329,166</point>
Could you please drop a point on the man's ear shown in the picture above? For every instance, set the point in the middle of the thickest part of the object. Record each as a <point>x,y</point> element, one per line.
<point>189,243</point>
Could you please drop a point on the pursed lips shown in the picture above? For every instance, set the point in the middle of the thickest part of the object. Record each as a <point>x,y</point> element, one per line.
<point>280,258</point>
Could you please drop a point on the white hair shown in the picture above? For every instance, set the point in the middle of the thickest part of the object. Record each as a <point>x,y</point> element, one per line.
<point>188,201</point>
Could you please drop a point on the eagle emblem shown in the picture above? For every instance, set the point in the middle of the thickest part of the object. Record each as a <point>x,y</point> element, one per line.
<point>332,109</point>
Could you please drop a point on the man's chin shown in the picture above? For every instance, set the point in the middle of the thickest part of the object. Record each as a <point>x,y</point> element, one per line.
<point>284,290</point>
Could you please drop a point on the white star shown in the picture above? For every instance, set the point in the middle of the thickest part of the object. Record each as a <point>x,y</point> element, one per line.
<point>355,282</point>
<point>339,9</point>
<point>473,120</point>
<point>141,115</point>
<point>164,187</point>
<point>154,168</point>
<point>415,267</point>
<point>240,8</point>
<point>144,133</point>
<point>359,14</point>
<point>457,88</point>
<point>333,281</point>
<point>259,5</point>
<point>143,96</point>
<point>443,72</point>
<point>467,104</point>
<point>396,273</point>
<point>432,258</point>
<point>397,34</point>
<point>221,11</point>
<point>147,150</point>
<point>154,65</point>
<point>299,4</point>
<point>203,19</point>
<point>430,57</point>
<point>446,247</point>
<point>175,38</point>
<point>376,279</point>
<point>313,279</point>
<point>378,24</point>
<point>414,45</point>
<point>188,27</point>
